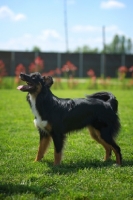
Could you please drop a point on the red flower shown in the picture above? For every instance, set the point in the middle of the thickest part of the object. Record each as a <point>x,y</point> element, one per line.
<point>58,71</point>
<point>91,73</point>
<point>32,68</point>
<point>69,67</point>
<point>65,68</point>
<point>39,62</point>
<point>37,65</point>
<point>2,69</point>
<point>131,69</point>
<point>20,68</point>
<point>123,69</point>
<point>51,73</point>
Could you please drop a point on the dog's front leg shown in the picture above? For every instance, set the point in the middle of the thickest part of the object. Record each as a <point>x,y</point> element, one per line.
<point>57,157</point>
<point>44,143</point>
<point>58,148</point>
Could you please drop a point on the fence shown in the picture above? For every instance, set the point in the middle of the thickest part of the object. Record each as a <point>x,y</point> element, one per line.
<point>102,64</point>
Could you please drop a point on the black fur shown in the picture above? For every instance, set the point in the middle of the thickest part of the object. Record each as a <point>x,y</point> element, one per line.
<point>98,110</point>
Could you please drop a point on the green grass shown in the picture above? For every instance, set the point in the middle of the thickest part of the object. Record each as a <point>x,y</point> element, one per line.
<point>82,175</point>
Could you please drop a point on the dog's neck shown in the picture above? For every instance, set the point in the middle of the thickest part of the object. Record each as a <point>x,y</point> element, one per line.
<point>32,101</point>
<point>42,104</point>
<point>38,122</point>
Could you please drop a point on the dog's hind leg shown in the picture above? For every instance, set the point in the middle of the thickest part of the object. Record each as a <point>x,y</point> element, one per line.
<point>117,152</point>
<point>95,134</point>
<point>109,139</point>
<point>44,143</point>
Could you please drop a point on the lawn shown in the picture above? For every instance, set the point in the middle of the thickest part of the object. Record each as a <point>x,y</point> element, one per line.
<point>82,175</point>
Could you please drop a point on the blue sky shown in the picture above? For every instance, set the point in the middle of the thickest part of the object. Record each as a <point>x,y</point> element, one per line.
<point>24,24</point>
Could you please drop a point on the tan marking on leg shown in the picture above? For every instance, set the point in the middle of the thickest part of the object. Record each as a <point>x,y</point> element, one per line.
<point>117,155</point>
<point>44,143</point>
<point>95,134</point>
<point>118,160</point>
<point>107,148</point>
<point>57,157</point>
<point>48,127</point>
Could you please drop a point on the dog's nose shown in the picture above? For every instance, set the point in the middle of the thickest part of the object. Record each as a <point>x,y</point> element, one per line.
<point>21,75</point>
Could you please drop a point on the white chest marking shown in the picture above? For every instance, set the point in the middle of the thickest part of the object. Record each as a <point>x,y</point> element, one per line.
<point>38,122</point>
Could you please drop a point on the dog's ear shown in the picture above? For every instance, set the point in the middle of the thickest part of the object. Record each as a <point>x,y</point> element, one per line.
<point>48,81</point>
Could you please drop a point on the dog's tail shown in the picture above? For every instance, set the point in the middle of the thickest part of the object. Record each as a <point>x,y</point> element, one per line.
<point>106,97</point>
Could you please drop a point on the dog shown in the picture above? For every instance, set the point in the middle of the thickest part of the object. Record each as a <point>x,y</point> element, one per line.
<point>55,117</point>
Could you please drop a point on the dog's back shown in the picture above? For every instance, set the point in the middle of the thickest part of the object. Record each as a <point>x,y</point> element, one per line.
<point>107,97</point>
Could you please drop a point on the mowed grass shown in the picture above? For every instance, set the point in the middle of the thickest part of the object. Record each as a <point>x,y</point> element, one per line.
<point>82,175</point>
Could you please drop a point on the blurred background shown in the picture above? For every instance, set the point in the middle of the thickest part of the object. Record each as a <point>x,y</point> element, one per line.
<point>67,39</point>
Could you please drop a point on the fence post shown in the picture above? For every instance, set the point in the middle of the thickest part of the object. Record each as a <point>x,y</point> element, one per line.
<point>59,60</point>
<point>123,59</point>
<point>80,64</point>
<point>12,63</point>
<point>36,55</point>
<point>102,71</point>
<point>103,55</point>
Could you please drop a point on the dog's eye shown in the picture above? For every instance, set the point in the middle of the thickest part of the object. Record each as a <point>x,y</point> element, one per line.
<point>34,76</point>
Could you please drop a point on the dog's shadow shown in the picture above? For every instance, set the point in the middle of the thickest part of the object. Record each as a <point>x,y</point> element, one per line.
<point>73,167</point>
<point>9,189</point>
<point>65,168</point>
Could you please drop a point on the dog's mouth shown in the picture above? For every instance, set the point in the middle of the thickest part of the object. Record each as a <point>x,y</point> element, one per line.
<point>30,85</point>
<point>26,88</point>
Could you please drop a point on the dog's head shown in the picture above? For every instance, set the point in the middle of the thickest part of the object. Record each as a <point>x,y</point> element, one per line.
<point>35,82</point>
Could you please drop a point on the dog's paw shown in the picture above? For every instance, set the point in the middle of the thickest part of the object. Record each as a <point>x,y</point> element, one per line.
<point>38,160</point>
<point>116,165</point>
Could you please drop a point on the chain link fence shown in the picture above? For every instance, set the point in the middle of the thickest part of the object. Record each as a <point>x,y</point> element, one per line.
<point>103,64</point>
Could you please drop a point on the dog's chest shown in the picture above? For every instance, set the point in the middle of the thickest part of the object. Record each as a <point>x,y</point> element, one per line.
<point>38,122</point>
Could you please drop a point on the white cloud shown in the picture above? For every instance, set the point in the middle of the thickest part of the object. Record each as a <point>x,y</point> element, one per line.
<point>112,4</point>
<point>6,12</point>
<point>47,40</point>
<point>113,30</point>
<point>88,28</point>
<point>96,29</point>
<point>49,33</point>
<point>92,42</point>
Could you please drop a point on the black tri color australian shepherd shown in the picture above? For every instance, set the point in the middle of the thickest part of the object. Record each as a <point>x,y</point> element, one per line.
<point>55,117</point>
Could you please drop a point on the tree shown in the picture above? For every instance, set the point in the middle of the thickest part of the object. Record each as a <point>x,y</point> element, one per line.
<point>36,49</point>
<point>115,44</point>
<point>122,45</point>
<point>78,49</point>
<point>86,49</point>
<point>119,44</point>
<point>129,45</point>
